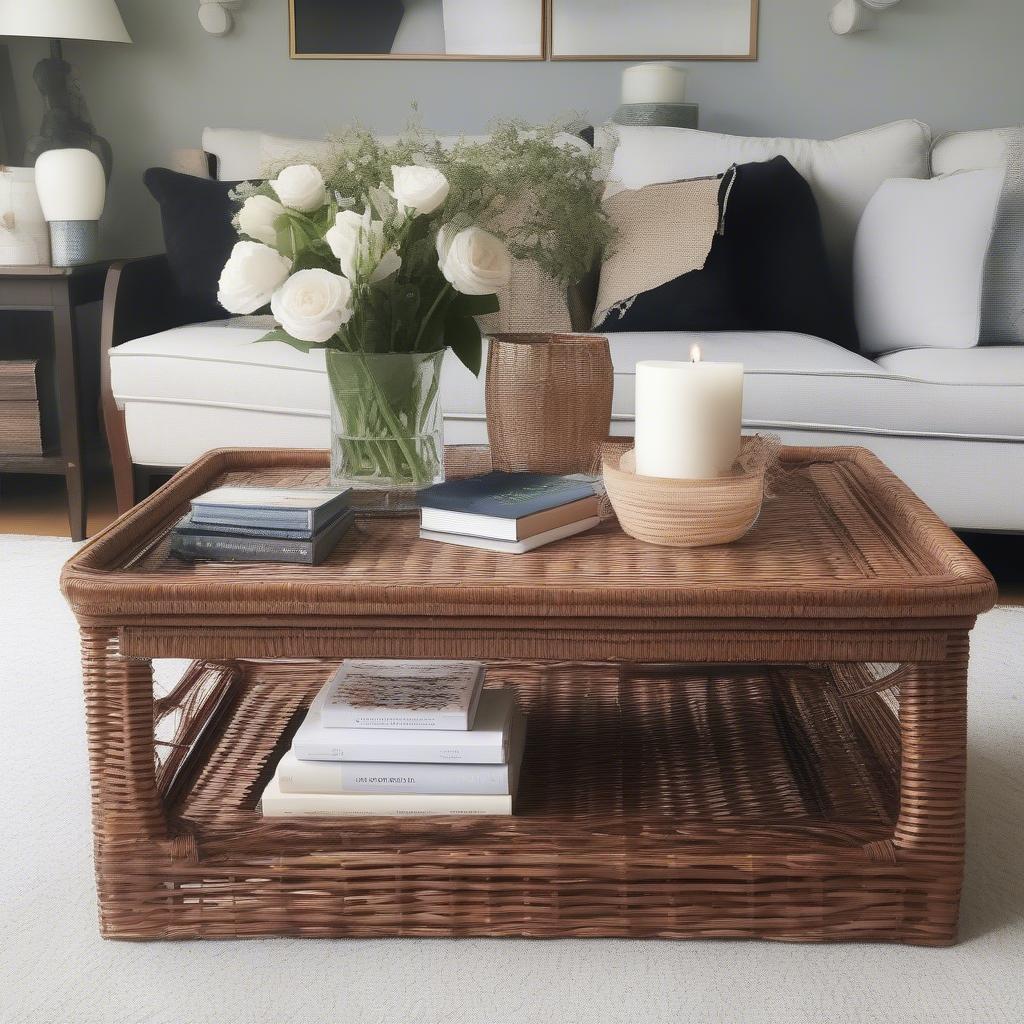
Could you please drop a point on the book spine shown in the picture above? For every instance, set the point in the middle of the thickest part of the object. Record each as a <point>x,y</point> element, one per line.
<point>207,529</point>
<point>241,548</point>
<point>296,776</point>
<point>359,718</point>
<point>495,752</point>
<point>245,520</point>
<point>304,805</point>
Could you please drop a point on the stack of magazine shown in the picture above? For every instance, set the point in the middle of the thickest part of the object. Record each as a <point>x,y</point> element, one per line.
<point>263,524</point>
<point>402,738</point>
<point>508,512</point>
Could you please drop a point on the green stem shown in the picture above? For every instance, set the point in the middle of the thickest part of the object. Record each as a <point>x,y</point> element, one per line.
<point>441,295</point>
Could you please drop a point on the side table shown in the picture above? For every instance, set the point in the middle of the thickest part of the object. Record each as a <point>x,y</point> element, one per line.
<point>56,290</point>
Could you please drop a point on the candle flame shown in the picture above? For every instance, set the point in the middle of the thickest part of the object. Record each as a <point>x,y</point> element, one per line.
<point>695,353</point>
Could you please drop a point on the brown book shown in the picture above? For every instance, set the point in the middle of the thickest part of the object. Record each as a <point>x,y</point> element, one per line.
<point>18,380</point>
<point>20,429</point>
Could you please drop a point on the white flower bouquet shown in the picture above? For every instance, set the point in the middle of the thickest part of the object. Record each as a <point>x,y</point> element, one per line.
<point>385,254</point>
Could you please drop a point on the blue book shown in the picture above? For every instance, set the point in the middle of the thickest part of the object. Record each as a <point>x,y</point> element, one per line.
<point>507,506</point>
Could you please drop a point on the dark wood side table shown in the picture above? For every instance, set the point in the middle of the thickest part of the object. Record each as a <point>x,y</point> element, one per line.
<point>57,290</point>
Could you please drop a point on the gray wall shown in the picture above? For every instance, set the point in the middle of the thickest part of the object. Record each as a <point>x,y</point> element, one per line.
<point>953,63</point>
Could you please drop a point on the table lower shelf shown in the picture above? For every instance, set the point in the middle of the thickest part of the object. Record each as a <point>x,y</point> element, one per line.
<point>675,802</point>
<point>624,757</point>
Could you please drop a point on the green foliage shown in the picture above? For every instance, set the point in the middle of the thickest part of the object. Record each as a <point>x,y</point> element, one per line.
<point>530,186</point>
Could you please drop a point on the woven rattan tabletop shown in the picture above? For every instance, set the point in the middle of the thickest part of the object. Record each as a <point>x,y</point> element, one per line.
<point>841,538</point>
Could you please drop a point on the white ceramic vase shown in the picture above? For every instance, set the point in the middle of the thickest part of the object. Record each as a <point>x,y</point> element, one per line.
<point>72,189</point>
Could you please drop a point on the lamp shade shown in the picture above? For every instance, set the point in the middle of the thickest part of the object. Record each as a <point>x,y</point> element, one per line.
<point>63,19</point>
<point>71,184</point>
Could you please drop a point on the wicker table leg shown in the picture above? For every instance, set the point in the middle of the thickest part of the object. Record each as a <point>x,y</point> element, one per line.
<point>929,833</point>
<point>129,825</point>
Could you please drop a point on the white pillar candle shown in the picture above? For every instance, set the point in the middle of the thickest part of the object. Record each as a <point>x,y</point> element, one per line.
<point>654,83</point>
<point>688,417</point>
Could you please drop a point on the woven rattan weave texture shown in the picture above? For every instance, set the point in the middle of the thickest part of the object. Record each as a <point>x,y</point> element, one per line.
<point>790,763</point>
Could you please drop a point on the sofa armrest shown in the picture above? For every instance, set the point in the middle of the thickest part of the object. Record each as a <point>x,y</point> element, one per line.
<point>140,297</point>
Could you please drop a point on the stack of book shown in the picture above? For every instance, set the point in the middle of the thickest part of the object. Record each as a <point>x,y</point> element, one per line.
<point>508,512</point>
<point>263,524</point>
<point>399,738</point>
<point>20,425</point>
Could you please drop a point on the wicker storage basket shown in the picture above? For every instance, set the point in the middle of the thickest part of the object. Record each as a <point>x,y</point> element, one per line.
<point>549,401</point>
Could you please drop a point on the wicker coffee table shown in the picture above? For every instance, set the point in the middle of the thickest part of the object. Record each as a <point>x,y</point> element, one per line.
<point>763,740</point>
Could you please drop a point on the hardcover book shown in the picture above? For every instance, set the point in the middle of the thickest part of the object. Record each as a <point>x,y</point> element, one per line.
<point>505,495</point>
<point>194,545</point>
<point>486,743</point>
<point>277,804</point>
<point>366,694</point>
<point>280,508</point>
<point>494,528</point>
<point>295,776</point>
<point>511,547</point>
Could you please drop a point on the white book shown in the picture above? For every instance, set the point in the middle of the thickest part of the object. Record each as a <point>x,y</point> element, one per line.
<point>486,743</point>
<point>276,804</point>
<point>512,547</point>
<point>377,694</point>
<point>295,776</point>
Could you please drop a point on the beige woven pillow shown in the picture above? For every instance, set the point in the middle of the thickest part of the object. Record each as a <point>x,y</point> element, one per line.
<point>533,302</point>
<point>664,231</point>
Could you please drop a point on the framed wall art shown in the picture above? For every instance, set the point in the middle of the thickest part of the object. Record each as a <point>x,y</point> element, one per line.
<point>418,29</point>
<point>653,29</point>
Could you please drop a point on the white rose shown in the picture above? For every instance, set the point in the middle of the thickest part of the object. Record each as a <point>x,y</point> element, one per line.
<point>257,216</point>
<point>474,262</point>
<point>301,187</point>
<point>312,305</point>
<point>358,243</point>
<point>420,189</point>
<point>251,275</point>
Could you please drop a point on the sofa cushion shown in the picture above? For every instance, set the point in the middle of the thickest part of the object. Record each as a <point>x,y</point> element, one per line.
<point>196,215</point>
<point>755,259</point>
<point>188,390</point>
<point>1002,309</point>
<point>843,173</point>
<point>660,274</point>
<point>919,261</point>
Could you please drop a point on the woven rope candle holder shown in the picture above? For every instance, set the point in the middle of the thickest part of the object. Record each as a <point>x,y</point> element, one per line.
<point>690,513</point>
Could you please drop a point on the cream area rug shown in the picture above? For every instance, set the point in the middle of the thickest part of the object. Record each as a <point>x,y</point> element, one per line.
<point>54,968</point>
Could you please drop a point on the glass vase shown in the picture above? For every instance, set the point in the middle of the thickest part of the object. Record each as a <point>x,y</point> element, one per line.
<point>386,427</point>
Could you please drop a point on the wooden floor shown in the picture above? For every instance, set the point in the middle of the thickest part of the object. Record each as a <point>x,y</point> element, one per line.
<point>37,506</point>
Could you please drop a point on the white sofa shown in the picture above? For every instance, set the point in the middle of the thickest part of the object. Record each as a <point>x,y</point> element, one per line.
<point>950,422</point>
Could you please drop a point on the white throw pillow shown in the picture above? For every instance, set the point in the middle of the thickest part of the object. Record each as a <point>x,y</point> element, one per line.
<point>237,151</point>
<point>1002,298</point>
<point>843,173</point>
<point>919,261</point>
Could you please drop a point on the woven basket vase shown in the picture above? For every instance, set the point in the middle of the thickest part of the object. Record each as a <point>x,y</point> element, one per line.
<point>549,401</point>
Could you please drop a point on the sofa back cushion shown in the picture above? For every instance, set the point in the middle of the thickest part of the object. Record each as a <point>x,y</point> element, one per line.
<point>740,252</point>
<point>843,173</point>
<point>919,261</point>
<point>196,215</point>
<point>1002,305</point>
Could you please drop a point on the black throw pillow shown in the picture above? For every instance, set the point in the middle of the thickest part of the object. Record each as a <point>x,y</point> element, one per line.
<point>198,236</point>
<point>766,269</point>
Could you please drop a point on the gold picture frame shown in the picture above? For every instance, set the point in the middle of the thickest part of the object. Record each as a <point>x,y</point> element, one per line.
<point>545,34</point>
<point>750,55</point>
